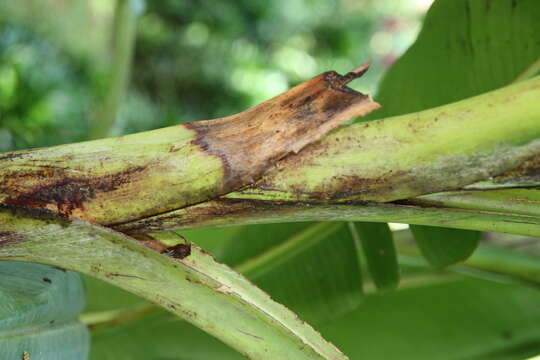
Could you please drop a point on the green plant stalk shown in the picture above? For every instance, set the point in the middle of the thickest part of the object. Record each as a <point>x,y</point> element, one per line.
<point>510,201</point>
<point>427,154</point>
<point>124,29</point>
<point>439,149</point>
<point>227,212</point>
<point>160,170</point>
<point>197,288</point>
<point>445,148</point>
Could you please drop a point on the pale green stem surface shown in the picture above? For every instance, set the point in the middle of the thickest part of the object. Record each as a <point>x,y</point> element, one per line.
<point>510,201</point>
<point>262,212</point>
<point>197,288</point>
<point>435,150</point>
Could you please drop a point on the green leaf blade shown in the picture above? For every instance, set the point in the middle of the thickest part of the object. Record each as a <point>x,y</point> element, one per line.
<point>378,246</point>
<point>442,247</point>
<point>461,318</point>
<point>305,266</point>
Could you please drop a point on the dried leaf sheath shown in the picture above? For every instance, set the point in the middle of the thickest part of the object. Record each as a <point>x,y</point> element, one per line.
<point>251,142</point>
<point>120,179</point>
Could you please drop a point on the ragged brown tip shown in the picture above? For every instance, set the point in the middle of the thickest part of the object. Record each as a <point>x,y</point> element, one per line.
<point>361,69</point>
<point>358,72</point>
<point>338,82</point>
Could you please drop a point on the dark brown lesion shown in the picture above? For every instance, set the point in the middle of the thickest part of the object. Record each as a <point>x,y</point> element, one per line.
<point>179,251</point>
<point>527,171</point>
<point>66,193</point>
<point>10,238</point>
<point>45,215</point>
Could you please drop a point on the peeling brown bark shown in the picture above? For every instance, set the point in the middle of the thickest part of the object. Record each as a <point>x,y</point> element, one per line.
<point>251,142</point>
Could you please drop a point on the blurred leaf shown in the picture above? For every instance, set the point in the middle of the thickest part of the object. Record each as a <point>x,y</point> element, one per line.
<point>459,319</point>
<point>39,308</point>
<point>102,297</point>
<point>378,245</point>
<point>159,335</point>
<point>482,320</point>
<point>309,267</point>
<point>442,247</point>
<point>465,48</point>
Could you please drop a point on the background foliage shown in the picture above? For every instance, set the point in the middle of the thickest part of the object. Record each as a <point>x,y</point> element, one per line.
<point>193,60</point>
<point>198,60</point>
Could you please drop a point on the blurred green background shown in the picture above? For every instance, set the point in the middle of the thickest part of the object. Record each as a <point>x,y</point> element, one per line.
<point>71,70</point>
<point>191,60</point>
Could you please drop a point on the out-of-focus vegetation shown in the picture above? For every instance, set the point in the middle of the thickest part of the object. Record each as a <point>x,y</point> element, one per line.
<point>193,60</point>
<point>199,60</point>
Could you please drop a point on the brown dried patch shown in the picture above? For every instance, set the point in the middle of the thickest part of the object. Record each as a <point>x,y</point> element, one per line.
<point>216,210</point>
<point>249,143</point>
<point>10,238</point>
<point>44,215</point>
<point>65,194</point>
<point>179,251</point>
<point>528,170</point>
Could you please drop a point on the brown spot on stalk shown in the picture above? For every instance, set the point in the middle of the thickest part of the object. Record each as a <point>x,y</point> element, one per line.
<point>45,215</point>
<point>10,238</point>
<point>179,251</point>
<point>65,194</point>
<point>528,170</point>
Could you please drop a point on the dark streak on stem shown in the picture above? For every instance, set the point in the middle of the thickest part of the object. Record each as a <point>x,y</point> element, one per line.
<point>248,334</point>
<point>124,275</point>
